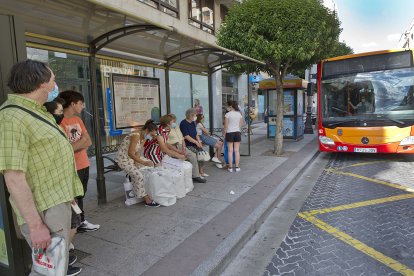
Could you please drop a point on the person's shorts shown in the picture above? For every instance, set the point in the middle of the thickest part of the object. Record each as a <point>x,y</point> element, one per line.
<point>75,220</point>
<point>233,137</point>
<point>208,140</point>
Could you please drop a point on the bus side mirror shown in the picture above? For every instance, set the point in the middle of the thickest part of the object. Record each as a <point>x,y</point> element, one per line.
<point>310,89</point>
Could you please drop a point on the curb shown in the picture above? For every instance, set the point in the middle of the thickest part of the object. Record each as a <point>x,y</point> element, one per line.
<point>229,248</point>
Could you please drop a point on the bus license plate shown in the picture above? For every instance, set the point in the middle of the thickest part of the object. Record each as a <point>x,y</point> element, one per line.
<point>366,150</point>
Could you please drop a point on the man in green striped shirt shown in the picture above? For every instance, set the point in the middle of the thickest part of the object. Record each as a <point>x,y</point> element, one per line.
<point>36,158</point>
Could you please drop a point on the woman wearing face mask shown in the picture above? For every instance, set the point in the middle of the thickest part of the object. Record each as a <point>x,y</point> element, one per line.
<point>192,140</point>
<point>155,146</point>
<point>207,139</point>
<point>177,140</point>
<point>129,160</point>
<point>55,108</point>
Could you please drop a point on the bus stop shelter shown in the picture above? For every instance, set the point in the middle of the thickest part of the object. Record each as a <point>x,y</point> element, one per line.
<point>88,29</point>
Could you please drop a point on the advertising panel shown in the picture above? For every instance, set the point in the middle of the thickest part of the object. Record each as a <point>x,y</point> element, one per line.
<point>289,103</point>
<point>135,100</point>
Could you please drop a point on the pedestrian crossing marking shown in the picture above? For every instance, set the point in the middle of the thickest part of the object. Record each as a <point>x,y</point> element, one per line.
<point>397,186</point>
<point>360,246</point>
<point>358,204</point>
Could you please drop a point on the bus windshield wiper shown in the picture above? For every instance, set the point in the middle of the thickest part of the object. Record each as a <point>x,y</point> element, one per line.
<point>385,117</point>
<point>344,122</point>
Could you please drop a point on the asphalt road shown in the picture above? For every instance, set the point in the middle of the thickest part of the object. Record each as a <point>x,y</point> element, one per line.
<point>348,214</point>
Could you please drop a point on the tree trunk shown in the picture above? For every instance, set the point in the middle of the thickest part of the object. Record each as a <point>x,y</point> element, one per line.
<point>278,147</point>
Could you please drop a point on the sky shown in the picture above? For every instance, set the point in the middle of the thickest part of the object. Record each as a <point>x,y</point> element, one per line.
<point>370,25</point>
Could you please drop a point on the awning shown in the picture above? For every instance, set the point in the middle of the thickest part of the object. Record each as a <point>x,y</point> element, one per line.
<point>75,24</point>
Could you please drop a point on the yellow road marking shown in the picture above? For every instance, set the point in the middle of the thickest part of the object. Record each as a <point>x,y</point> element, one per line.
<point>361,164</point>
<point>357,204</point>
<point>393,264</point>
<point>397,186</point>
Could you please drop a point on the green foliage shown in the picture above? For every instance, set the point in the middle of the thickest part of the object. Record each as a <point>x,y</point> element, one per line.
<point>285,34</point>
<point>340,49</point>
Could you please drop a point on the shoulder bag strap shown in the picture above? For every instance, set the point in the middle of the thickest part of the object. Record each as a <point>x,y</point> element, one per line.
<point>36,116</point>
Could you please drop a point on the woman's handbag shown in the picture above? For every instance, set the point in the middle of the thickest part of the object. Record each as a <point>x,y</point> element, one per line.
<point>203,155</point>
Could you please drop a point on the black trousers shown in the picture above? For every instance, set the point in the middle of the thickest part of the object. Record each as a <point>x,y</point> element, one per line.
<point>84,178</point>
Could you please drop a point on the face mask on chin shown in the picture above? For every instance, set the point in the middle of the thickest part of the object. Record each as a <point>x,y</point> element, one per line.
<point>148,137</point>
<point>53,94</point>
<point>173,125</point>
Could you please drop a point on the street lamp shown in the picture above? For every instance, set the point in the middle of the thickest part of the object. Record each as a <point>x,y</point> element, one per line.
<point>308,122</point>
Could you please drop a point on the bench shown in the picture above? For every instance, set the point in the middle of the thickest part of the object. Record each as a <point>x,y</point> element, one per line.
<point>112,167</point>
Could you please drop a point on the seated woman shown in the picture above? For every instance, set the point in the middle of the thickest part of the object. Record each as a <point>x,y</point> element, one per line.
<point>192,140</point>
<point>155,146</point>
<point>207,139</point>
<point>176,139</point>
<point>129,160</point>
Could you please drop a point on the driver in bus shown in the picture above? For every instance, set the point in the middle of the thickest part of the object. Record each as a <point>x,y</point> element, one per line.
<point>363,106</point>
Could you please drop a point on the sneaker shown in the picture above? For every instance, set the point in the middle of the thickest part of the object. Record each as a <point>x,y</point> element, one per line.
<point>215,160</point>
<point>199,180</point>
<point>237,169</point>
<point>152,204</point>
<point>230,169</point>
<point>73,270</point>
<point>72,259</point>
<point>71,247</point>
<point>204,175</point>
<point>87,227</point>
<point>220,166</point>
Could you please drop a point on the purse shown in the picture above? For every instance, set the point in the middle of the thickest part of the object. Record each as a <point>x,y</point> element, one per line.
<point>203,155</point>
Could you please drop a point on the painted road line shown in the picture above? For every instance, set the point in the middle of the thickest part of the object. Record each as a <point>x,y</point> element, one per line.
<point>361,164</point>
<point>358,204</point>
<point>397,186</point>
<point>362,247</point>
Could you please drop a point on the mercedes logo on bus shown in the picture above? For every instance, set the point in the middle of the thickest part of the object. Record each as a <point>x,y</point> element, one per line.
<point>365,140</point>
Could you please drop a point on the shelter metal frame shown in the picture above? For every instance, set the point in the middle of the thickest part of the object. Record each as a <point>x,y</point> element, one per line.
<point>225,58</point>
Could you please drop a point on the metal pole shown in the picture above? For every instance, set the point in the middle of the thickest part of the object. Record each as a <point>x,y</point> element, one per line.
<point>167,88</point>
<point>100,178</point>
<point>210,106</point>
<point>308,122</point>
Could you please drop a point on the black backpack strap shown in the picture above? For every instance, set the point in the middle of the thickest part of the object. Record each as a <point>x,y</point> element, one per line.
<point>36,116</point>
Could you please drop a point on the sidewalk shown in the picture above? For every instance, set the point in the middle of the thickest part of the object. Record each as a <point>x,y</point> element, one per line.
<point>201,232</point>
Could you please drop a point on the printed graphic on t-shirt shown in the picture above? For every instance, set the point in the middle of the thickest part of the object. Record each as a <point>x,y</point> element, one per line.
<point>74,132</point>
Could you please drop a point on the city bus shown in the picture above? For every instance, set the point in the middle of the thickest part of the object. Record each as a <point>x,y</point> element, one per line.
<point>366,103</point>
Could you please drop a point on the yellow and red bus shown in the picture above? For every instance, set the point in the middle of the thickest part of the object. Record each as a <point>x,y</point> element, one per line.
<point>366,103</point>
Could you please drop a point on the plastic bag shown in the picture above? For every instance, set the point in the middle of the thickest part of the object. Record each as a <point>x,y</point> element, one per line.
<point>159,185</point>
<point>130,198</point>
<point>52,262</point>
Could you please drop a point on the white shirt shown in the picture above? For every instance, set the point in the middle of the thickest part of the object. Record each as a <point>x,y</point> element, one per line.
<point>233,121</point>
<point>199,130</point>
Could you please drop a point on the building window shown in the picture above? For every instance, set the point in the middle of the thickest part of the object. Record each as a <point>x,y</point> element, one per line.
<point>170,7</point>
<point>201,14</point>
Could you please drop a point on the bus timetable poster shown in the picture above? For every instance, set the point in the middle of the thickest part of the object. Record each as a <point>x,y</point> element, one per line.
<point>135,100</point>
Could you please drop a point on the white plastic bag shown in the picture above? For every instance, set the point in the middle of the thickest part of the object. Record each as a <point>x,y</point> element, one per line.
<point>185,166</point>
<point>51,262</point>
<point>159,185</point>
<point>130,198</point>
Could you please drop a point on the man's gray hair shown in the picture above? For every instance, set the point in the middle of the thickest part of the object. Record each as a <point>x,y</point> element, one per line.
<point>191,112</point>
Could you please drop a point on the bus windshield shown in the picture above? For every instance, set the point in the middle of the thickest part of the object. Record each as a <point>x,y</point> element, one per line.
<point>378,98</point>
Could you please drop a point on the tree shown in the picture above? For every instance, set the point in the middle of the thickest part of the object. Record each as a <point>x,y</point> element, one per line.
<point>286,34</point>
<point>340,49</point>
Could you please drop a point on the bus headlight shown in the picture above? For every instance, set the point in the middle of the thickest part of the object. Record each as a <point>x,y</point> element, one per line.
<point>407,141</point>
<point>326,141</point>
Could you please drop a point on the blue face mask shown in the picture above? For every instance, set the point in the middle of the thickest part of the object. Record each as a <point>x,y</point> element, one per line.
<point>173,125</point>
<point>148,137</point>
<point>53,94</point>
